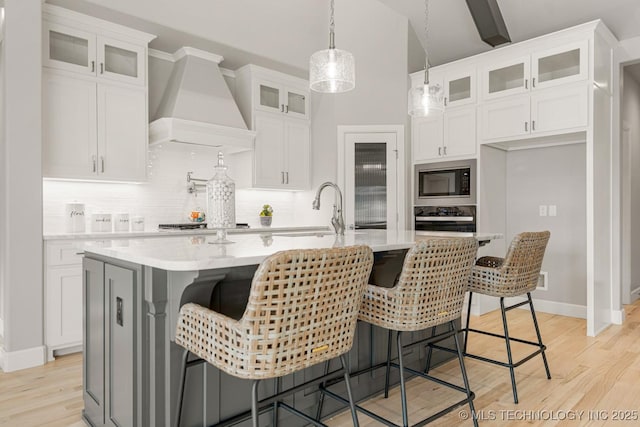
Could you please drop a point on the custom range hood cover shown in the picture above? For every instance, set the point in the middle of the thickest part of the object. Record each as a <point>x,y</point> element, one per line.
<point>197,106</point>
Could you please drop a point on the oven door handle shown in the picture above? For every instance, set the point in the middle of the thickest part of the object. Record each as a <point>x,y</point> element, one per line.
<point>444,218</point>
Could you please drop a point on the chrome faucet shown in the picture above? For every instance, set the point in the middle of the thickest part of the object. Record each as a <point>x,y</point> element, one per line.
<point>337,220</point>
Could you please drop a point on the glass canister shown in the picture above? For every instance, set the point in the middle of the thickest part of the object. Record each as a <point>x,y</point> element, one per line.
<point>221,201</point>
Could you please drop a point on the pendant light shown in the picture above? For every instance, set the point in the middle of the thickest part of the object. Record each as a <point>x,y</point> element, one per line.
<point>427,97</point>
<point>332,70</point>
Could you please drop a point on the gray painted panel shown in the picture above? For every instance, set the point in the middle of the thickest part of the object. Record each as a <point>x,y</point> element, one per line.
<point>93,347</point>
<point>120,289</point>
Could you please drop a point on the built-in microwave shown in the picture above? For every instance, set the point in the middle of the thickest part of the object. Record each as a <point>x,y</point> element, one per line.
<point>445,183</point>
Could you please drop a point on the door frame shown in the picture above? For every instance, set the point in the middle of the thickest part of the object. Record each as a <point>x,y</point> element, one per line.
<point>398,130</point>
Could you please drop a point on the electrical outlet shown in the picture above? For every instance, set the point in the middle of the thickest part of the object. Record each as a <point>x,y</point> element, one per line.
<point>542,210</point>
<point>553,210</point>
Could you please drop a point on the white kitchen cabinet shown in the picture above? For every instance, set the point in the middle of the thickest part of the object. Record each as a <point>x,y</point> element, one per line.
<point>63,296</point>
<point>552,111</point>
<point>87,52</point>
<point>93,130</point>
<point>560,65</point>
<point>460,87</point>
<point>95,116</point>
<point>276,106</point>
<point>444,136</point>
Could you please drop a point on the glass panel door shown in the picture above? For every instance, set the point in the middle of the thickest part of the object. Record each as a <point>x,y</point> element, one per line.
<point>269,96</point>
<point>370,186</point>
<point>507,79</point>
<point>69,49</point>
<point>121,61</point>
<point>560,65</point>
<point>459,89</point>
<point>297,103</point>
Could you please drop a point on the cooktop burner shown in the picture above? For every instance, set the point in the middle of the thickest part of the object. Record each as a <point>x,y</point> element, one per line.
<point>193,226</point>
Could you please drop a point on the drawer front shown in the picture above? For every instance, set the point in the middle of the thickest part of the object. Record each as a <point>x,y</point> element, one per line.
<point>63,253</point>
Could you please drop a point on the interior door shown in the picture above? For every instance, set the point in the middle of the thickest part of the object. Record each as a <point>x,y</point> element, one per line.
<point>371,180</point>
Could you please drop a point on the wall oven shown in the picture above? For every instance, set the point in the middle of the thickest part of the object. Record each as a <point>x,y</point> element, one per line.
<point>445,218</point>
<point>445,183</point>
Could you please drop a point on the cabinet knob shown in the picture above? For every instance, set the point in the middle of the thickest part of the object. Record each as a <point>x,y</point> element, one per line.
<point>281,177</point>
<point>526,83</point>
<point>286,109</point>
<point>533,82</point>
<point>439,151</point>
<point>93,66</point>
<point>526,126</point>
<point>533,125</point>
<point>287,175</point>
<point>444,150</point>
<point>95,164</point>
<point>282,108</point>
<point>102,68</point>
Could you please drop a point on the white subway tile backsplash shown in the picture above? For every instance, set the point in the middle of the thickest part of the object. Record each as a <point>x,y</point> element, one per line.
<point>164,198</point>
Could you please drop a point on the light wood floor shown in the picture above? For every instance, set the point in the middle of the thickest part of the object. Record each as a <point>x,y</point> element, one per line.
<point>589,374</point>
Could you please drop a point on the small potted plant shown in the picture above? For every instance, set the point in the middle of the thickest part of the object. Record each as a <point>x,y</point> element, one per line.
<point>266,215</point>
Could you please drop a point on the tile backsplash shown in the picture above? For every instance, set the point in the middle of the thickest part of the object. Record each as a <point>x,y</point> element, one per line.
<point>164,197</point>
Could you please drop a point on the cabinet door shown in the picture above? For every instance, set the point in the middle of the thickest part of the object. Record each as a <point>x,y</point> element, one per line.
<point>269,153</point>
<point>296,103</point>
<point>460,88</point>
<point>507,78</point>
<point>505,118</point>
<point>93,351</point>
<point>63,306</point>
<point>296,133</point>
<point>121,333</point>
<point>68,49</point>
<point>559,109</point>
<point>69,127</point>
<point>560,65</point>
<point>460,131</point>
<point>121,61</point>
<point>427,137</point>
<point>269,96</point>
<point>122,133</point>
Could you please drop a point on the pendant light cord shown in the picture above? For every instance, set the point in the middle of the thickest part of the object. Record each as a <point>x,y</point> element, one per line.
<point>426,41</point>
<point>332,27</point>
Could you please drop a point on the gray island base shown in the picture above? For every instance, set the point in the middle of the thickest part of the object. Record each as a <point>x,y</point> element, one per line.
<point>132,296</point>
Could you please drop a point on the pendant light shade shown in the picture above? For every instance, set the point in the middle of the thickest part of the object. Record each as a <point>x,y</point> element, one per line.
<point>425,98</point>
<point>332,70</point>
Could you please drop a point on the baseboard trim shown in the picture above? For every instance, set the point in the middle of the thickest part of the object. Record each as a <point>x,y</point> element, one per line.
<point>618,316</point>
<point>553,307</point>
<point>11,361</point>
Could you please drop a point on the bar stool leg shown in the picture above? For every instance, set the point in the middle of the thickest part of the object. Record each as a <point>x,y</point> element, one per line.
<point>386,378</point>
<point>321,399</point>
<point>254,403</point>
<point>183,375</point>
<point>509,356</point>
<point>274,412</point>
<point>465,378</point>
<point>430,351</point>
<point>466,328</point>
<point>403,390</point>
<point>535,323</point>
<point>347,382</point>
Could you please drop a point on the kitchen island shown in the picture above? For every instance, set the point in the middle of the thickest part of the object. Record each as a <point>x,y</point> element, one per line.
<point>132,296</point>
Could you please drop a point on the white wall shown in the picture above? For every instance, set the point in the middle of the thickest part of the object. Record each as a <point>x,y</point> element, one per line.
<point>552,176</point>
<point>630,183</point>
<point>2,174</point>
<point>21,204</point>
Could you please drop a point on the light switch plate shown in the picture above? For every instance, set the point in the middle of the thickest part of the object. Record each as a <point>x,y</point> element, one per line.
<point>542,210</point>
<point>553,210</point>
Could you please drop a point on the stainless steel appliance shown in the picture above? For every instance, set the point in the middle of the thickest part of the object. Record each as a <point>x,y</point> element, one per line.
<point>446,183</point>
<point>445,218</point>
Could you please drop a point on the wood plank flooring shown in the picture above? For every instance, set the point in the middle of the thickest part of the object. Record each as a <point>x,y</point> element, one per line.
<point>595,375</point>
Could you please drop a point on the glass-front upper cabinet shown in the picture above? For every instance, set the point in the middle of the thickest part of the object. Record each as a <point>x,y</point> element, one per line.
<point>560,65</point>
<point>507,78</point>
<point>276,98</point>
<point>121,61</point>
<point>460,88</point>
<point>69,49</point>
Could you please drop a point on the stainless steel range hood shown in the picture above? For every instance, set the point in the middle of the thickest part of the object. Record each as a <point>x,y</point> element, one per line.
<point>197,107</point>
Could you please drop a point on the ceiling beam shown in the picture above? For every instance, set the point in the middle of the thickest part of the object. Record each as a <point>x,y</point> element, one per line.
<point>488,19</point>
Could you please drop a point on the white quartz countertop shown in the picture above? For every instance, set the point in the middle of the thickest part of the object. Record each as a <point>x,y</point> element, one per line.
<point>196,252</point>
<point>90,235</point>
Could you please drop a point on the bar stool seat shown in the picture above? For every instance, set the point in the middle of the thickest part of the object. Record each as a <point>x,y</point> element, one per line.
<point>512,276</point>
<point>302,310</point>
<point>429,292</point>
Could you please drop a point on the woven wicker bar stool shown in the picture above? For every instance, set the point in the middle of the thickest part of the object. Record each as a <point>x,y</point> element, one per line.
<point>429,292</point>
<point>302,310</point>
<point>514,275</point>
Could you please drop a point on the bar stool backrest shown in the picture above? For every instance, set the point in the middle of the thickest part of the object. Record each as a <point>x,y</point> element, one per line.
<point>303,308</point>
<point>521,267</point>
<point>431,287</point>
